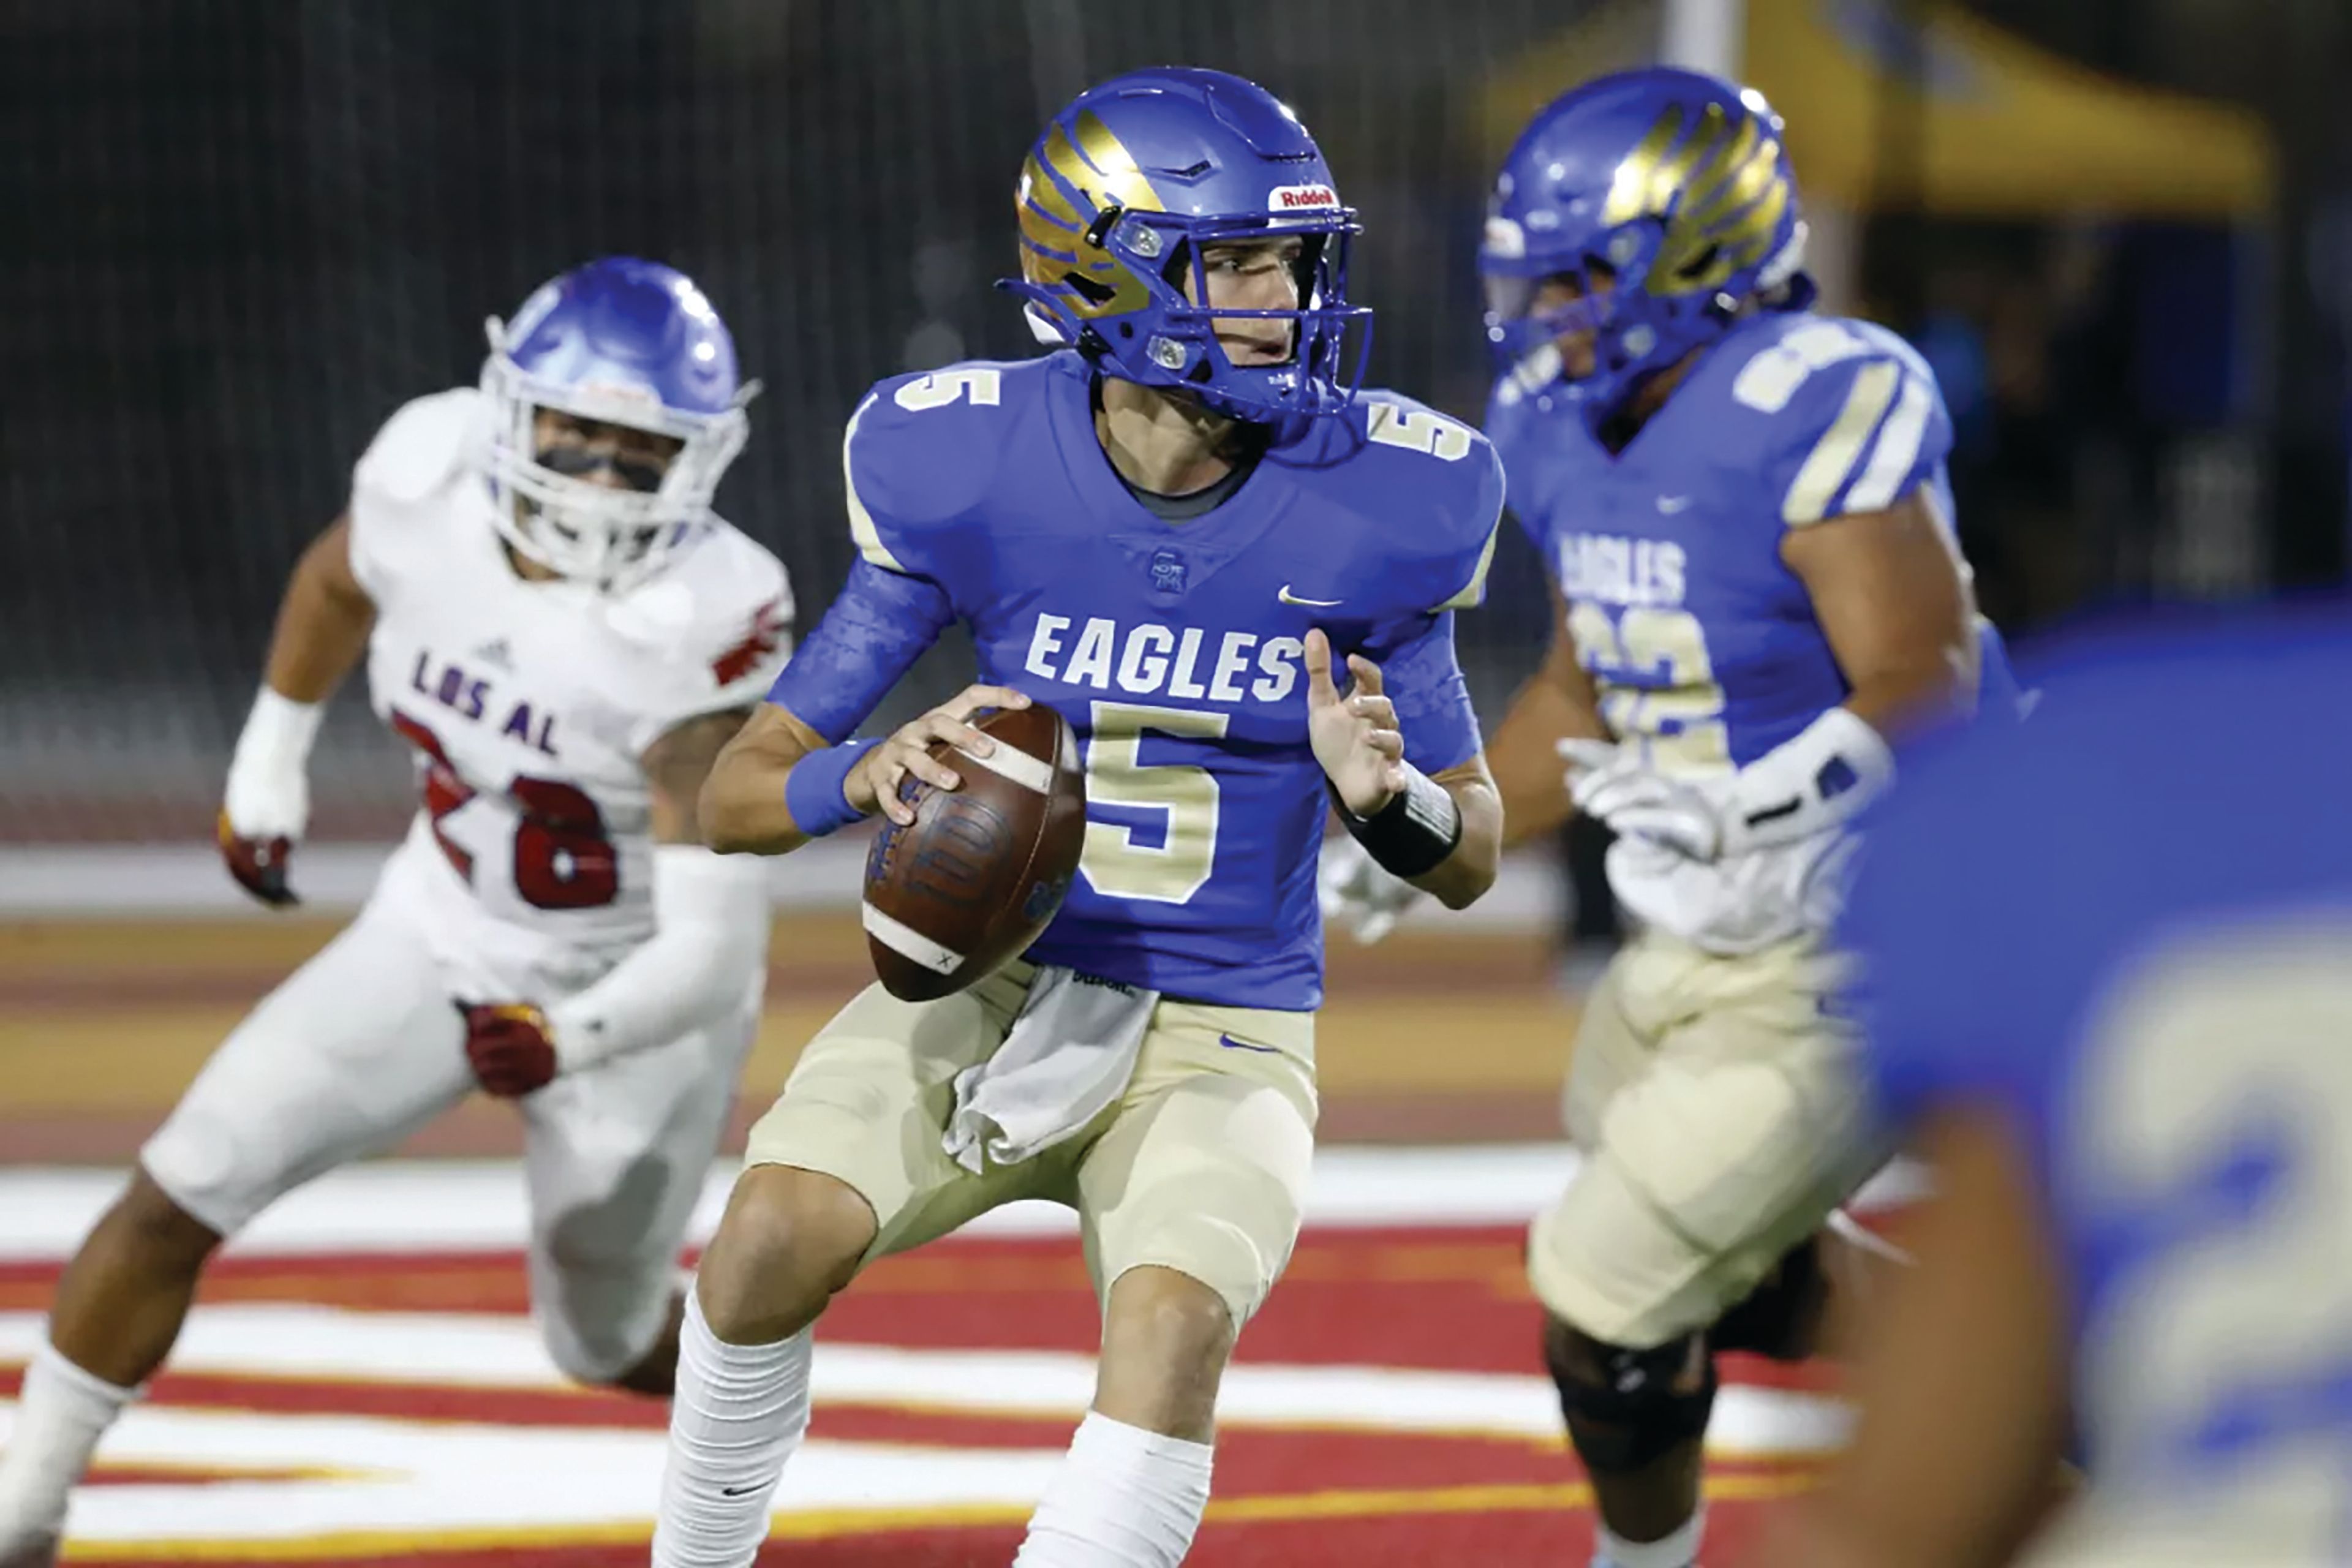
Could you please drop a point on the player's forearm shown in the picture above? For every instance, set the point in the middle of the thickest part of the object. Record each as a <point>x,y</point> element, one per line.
<point>1894,603</point>
<point>777,785</point>
<point>741,809</point>
<point>709,943</point>
<point>1962,1383</point>
<point>322,622</point>
<point>875,629</point>
<point>1920,694</point>
<point>1530,780</point>
<point>1463,877</point>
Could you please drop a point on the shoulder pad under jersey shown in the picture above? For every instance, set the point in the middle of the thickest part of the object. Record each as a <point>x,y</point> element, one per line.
<point>922,450</point>
<point>1837,415</point>
<point>717,621</point>
<point>418,450</point>
<point>1442,480</point>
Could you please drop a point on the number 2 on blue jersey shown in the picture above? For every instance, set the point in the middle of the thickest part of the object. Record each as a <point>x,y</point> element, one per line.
<point>1656,683</point>
<point>2222,1066</point>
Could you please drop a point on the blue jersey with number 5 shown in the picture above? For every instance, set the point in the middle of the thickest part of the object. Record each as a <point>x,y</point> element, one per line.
<point>2142,952</point>
<point>1701,642</point>
<point>982,493</point>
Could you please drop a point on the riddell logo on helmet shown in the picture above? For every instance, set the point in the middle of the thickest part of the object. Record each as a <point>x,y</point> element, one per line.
<point>1288,198</point>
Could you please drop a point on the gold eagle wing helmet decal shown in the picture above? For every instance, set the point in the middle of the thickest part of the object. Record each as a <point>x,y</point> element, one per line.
<point>1060,196</point>
<point>1720,192</point>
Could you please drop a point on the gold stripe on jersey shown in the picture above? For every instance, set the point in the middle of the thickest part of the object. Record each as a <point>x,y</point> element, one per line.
<point>1896,450</point>
<point>1474,591</point>
<point>861,531</point>
<point>1834,455</point>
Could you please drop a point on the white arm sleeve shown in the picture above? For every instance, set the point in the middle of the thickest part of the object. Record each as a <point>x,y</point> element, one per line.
<point>710,945</point>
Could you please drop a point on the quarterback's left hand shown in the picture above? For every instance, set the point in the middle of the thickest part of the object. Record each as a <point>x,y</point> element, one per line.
<point>1355,737</point>
<point>1614,783</point>
<point>510,1046</point>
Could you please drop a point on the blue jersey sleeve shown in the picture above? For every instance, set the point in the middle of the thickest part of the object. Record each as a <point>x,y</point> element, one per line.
<point>921,454</point>
<point>877,628</point>
<point>1436,487</point>
<point>1844,417</point>
<point>1455,504</point>
<point>1506,429</point>
<point>1422,679</point>
<point>1483,520</point>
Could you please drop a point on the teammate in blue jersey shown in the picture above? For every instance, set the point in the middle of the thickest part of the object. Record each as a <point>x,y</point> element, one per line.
<point>2108,987</point>
<point>1184,533</point>
<point>1743,507</point>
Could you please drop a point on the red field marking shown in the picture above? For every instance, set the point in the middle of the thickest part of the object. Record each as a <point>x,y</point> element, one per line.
<point>1291,1497</point>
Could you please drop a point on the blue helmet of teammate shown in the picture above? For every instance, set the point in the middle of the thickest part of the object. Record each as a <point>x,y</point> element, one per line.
<point>628,343</point>
<point>1666,197</point>
<point>1119,197</point>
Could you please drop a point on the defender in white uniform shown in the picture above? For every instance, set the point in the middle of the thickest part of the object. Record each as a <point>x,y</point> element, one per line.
<point>557,624</point>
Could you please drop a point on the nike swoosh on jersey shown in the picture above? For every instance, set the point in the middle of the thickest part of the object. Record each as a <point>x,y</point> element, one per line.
<point>1233,1045</point>
<point>1287,597</point>
<point>1673,504</point>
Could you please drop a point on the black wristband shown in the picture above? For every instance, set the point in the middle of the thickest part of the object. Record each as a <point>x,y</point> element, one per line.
<point>1414,833</point>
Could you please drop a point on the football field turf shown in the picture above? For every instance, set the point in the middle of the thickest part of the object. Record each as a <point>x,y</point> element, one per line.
<point>361,1383</point>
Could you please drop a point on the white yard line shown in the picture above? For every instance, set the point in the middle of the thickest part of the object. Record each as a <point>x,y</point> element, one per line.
<point>477,1206</point>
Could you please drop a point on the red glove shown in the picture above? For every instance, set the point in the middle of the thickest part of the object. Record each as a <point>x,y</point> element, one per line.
<point>258,864</point>
<point>508,1045</point>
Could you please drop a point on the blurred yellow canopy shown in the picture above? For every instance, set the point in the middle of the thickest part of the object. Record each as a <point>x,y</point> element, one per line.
<point>2001,126</point>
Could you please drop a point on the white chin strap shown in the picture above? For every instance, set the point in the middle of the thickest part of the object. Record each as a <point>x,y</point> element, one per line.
<point>1043,328</point>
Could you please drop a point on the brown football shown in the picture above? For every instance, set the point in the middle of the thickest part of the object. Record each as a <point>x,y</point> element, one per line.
<point>972,880</point>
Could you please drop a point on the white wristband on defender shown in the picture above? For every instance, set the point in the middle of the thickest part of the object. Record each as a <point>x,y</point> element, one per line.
<point>268,791</point>
<point>1808,784</point>
<point>709,943</point>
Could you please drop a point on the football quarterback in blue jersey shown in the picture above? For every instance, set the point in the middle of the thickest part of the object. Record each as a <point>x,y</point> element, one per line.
<point>2109,991</point>
<point>1743,507</point>
<point>1236,578</point>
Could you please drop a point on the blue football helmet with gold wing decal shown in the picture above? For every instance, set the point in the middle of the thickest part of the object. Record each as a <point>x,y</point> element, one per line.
<point>1119,197</point>
<point>1665,196</point>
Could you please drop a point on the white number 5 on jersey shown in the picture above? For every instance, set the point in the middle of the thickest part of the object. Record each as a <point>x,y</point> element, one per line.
<point>942,387</point>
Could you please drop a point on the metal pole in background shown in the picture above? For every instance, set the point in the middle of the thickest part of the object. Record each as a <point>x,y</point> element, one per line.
<point>1705,34</point>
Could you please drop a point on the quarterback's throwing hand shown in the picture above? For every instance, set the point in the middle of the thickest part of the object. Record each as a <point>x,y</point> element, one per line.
<point>509,1045</point>
<point>875,780</point>
<point>1355,737</point>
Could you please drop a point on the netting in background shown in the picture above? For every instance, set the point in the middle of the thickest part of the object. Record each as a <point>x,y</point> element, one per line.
<point>244,232</point>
